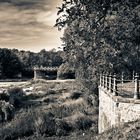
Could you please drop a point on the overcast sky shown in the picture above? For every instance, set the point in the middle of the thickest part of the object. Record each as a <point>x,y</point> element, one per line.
<point>28,24</point>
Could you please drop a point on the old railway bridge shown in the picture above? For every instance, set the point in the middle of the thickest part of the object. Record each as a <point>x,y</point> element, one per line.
<point>43,72</point>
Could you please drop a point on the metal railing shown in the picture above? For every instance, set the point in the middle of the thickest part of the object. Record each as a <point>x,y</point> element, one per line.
<point>121,87</point>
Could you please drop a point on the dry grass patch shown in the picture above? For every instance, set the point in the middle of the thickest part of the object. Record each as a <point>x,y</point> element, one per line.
<point>65,95</point>
<point>77,102</point>
<point>74,116</point>
<point>58,109</point>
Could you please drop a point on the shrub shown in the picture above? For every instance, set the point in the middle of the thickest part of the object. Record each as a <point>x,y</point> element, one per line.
<point>4,96</point>
<point>75,95</point>
<point>16,96</point>
<point>62,128</point>
<point>83,123</point>
<point>92,100</point>
<point>44,124</point>
<point>62,111</point>
<point>6,111</point>
<point>65,72</point>
<point>21,125</point>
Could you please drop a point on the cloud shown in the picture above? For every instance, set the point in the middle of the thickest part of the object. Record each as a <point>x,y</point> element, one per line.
<point>28,22</point>
<point>48,18</point>
<point>27,4</point>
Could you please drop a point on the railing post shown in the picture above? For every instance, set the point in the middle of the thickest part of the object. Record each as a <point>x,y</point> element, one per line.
<point>110,83</point>
<point>136,92</point>
<point>114,86</point>
<point>106,82</point>
<point>35,73</point>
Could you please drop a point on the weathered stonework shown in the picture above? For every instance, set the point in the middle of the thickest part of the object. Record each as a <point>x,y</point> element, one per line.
<point>115,110</point>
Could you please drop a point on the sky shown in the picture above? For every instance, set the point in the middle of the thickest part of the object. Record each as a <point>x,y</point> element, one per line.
<point>28,24</point>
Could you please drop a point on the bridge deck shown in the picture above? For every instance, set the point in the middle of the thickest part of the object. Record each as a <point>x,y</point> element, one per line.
<point>43,69</point>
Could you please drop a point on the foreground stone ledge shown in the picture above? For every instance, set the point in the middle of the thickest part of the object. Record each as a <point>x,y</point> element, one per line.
<point>116,110</point>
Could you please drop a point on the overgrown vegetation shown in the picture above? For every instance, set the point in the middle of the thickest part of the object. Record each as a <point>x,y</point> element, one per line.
<point>101,36</point>
<point>128,131</point>
<point>48,110</point>
<point>65,71</point>
<point>16,95</point>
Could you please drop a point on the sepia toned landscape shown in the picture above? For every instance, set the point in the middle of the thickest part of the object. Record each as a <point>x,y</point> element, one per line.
<point>69,70</point>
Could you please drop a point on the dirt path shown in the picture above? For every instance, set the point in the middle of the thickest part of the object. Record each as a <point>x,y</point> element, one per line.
<point>7,84</point>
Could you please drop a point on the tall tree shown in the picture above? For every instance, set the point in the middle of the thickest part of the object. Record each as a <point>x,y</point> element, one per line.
<point>100,35</point>
<point>10,64</point>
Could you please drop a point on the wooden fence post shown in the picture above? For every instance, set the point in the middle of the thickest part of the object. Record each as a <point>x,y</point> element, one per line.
<point>136,92</point>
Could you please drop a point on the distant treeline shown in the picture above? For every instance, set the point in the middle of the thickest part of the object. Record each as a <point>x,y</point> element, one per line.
<point>13,62</point>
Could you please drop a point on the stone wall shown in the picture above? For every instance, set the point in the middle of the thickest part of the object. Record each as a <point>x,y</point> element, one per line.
<point>115,110</point>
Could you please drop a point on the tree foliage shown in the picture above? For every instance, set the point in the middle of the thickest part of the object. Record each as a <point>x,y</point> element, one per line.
<point>100,36</point>
<point>43,58</point>
<point>65,72</point>
<point>13,62</point>
<point>10,63</point>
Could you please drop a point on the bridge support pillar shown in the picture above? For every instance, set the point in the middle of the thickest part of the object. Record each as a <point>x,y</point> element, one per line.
<point>38,74</point>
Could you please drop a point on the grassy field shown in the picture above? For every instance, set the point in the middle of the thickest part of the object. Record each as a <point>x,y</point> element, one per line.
<point>54,110</point>
<point>48,110</point>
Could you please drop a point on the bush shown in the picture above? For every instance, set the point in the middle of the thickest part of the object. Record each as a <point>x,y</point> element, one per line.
<point>21,125</point>
<point>4,96</point>
<point>65,72</point>
<point>6,111</point>
<point>75,95</point>
<point>92,100</point>
<point>62,128</point>
<point>83,123</point>
<point>44,124</point>
<point>16,95</point>
<point>62,111</point>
